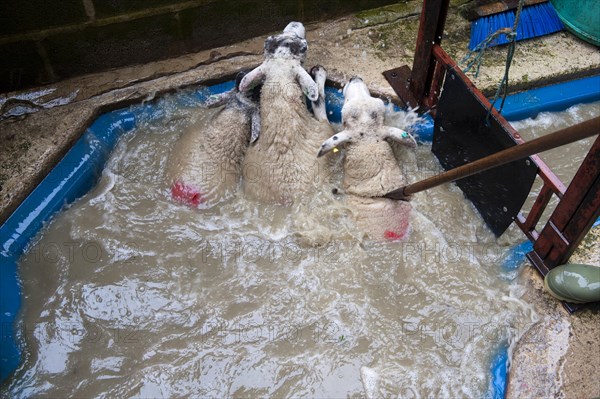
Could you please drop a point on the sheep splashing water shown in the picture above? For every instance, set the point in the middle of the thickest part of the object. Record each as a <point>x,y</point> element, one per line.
<point>205,166</point>
<point>128,294</point>
<point>370,166</point>
<point>282,160</point>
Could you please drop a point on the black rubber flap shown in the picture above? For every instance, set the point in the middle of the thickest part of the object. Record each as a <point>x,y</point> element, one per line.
<point>461,135</point>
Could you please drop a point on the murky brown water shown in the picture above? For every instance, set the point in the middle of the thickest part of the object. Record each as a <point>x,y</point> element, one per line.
<point>564,160</point>
<point>128,294</point>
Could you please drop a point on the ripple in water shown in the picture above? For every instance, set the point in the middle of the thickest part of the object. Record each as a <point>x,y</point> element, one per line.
<point>129,294</point>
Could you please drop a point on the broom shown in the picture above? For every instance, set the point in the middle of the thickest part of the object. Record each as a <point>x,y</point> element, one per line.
<point>538,18</point>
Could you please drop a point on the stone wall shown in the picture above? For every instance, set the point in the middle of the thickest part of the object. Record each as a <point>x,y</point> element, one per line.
<point>42,41</point>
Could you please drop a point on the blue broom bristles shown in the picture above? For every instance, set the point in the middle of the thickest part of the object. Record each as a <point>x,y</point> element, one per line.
<point>536,20</point>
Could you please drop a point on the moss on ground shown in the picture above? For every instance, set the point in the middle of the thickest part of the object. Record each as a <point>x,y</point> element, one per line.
<point>387,14</point>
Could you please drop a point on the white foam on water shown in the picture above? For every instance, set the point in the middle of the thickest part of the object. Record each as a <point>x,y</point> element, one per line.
<point>246,299</point>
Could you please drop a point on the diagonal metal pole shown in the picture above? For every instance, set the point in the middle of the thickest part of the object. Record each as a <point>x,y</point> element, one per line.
<point>520,151</point>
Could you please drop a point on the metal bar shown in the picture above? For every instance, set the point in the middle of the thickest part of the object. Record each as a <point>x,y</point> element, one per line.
<point>436,86</point>
<point>538,207</point>
<point>431,29</point>
<point>574,215</point>
<point>532,234</point>
<point>544,143</point>
<point>549,242</point>
<point>581,223</point>
<point>549,177</point>
<point>581,183</point>
<point>538,263</point>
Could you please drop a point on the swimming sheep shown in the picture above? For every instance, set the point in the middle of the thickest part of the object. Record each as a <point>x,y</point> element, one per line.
<point>280,166</point>
<point>205,165</point>
<point>370,167</point>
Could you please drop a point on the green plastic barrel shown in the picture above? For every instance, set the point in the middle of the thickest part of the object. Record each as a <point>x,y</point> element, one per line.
<point>581,17</point>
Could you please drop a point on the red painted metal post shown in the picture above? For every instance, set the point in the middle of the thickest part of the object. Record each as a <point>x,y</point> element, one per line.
<point>540,204</point>
<point>435,89</point>
<point>413,86</point>
<point>431,30</point>
<point>579,205</point>
<point>573,216</point>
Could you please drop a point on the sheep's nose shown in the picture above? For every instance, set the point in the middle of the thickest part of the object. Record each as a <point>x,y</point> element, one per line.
<point>297,28</point>
<point>355,79</point>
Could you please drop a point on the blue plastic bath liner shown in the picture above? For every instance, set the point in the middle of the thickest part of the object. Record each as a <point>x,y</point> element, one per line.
<point>81,167</point>
<point>552,98</point>
<point>499,372</point>
<point>73,177</point>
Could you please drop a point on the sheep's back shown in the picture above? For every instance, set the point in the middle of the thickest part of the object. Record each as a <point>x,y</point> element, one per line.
<point>370,169</point>
<point>282,164</point>
<point>381,218</point>
<point>209,154</point>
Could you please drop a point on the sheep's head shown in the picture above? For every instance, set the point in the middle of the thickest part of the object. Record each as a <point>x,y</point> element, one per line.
<point>363,118</point>
<point>360,110</point>
<point>296,28</point>
<point>291,44</point>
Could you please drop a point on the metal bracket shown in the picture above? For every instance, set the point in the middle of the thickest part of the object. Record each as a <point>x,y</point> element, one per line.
<point>399,79</point>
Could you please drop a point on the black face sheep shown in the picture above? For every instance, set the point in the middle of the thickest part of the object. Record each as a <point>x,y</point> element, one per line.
<point>370,167</point>
<point>205,164</point>
<point>280,166</point>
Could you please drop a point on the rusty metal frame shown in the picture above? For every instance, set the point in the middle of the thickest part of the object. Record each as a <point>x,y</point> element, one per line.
<point>579,205</point>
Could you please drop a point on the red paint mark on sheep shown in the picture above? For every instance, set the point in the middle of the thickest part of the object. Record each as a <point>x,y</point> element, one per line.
<point>400,233</point>
<point>393,236</point>
<point>187,194</point>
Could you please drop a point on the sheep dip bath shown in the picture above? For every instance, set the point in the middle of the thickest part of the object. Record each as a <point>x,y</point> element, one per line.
<point>127,293</point>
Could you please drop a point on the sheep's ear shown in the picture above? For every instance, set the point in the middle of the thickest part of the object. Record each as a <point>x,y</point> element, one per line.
<point>252,79</point>
<point>334,141</point>
<point>319,74</point>
<point>308,85</point>
<point>399,136</point>
<point>255,127</point>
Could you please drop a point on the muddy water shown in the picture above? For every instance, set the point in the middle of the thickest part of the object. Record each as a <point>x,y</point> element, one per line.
<point>127,294</point>
<point>564,160</point>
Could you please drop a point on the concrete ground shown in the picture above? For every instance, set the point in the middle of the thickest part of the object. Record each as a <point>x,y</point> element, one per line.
<point>558,357</point>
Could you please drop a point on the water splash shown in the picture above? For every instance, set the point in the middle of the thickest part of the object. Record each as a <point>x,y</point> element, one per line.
<point>162,299</point>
